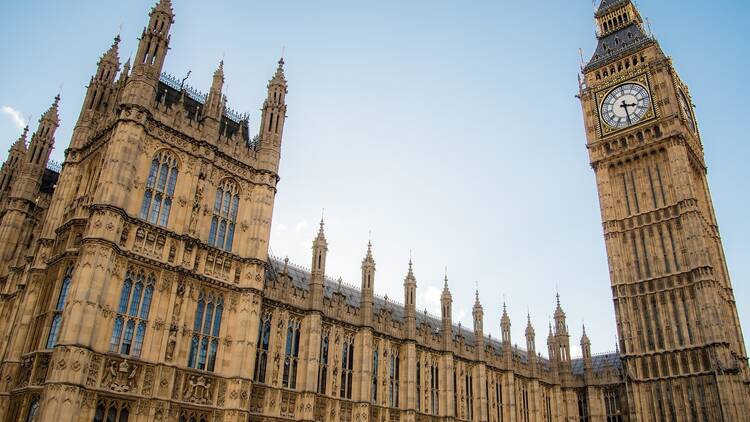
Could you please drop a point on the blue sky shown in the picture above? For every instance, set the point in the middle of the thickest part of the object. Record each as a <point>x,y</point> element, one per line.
<point>446,128</point>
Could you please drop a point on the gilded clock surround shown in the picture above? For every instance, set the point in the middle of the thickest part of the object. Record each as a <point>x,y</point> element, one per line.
<point>601,95</point>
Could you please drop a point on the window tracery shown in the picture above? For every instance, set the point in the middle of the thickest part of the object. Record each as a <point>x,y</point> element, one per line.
<point>226,203</point>
<point>54,330</point>
<point>162,178</point>
<point>204,344</point>
<point>132,313</point>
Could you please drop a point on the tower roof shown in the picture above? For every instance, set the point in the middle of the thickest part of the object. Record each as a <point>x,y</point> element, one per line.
<point>410,274</point>
<point>20,144</point>
<point>278,77</point>
<point>52,114</point>
<point>164,6</point>
<point>505,319</point>
<point>112,55</point>
<point>607,5</point>
<point>529,327</point>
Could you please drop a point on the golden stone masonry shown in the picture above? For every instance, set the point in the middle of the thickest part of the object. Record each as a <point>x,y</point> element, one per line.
<point>136,284</point>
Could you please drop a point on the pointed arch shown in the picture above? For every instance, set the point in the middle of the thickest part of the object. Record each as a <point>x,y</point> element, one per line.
<point>224,219</point>
<point>133,309</point>
<point>57,316</point>
<point>160,186</point>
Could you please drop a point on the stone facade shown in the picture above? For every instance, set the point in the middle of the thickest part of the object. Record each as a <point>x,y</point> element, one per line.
<point>136,285</point>
<point>680,339</point>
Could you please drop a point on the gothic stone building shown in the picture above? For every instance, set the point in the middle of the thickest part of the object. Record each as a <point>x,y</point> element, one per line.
<point>136,285</point>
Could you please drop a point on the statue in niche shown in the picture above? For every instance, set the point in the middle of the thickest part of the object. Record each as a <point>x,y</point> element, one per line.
<point>194,214</point>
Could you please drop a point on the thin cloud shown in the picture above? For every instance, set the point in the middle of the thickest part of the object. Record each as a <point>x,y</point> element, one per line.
<point>302,225</point>
<point>281,227</point>
<point>14,115</point>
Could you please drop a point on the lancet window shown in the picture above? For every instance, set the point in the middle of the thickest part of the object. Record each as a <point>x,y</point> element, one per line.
<point>394,378</point>
<point>112,411</point>
<point>221,233</point>
<point>291,358</point>
<point>347,368</point>
<point>261,354</point>
<point>132,314</point>
<point>54,330</point>
<point>206,329</point>
<point>157,200</point>
<point>325,344</point>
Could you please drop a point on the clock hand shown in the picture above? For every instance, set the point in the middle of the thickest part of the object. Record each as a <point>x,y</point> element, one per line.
<point>627,113</point>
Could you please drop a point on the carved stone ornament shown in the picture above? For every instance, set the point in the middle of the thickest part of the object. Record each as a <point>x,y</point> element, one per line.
<point>198,390</point>
<point>120,376</point>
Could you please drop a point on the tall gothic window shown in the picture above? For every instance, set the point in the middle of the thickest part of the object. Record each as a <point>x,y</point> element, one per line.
<point>33,410</point>
<point>323,366</point>
<point>374,392</point>
<point>223,221</point>
<point>499,399</point>
<point>157,201</point>
<point>393,378</point>
<point>469,396</point>
<point>261,354</point>
<point>434,385</point>
<point>111,411</point>
<point>132,314</point>
<point>291,358</point>
<point>347,368</point>
<point>205,342</point>
<point>583,406</point>
<point>612,405</point>
<point>419,385</point>
<point>54,330</point>
<point>455,392</point>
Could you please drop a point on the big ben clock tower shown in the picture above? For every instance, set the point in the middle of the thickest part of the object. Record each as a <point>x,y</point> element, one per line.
<point>680,339</point>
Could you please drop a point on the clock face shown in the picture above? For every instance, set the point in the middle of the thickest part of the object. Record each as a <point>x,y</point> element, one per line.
<point>625,105</point>
<point>687,109</point>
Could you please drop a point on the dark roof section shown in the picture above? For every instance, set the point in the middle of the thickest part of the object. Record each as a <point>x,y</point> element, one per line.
<point>600,363</point>
<point>300,278</point>
<point>619,43</point>
<point>607,5</point>
<point>170,92</point>
<point>49,179</point>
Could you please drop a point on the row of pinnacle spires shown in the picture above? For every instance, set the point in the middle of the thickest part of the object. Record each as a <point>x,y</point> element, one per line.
<point>410,279</point>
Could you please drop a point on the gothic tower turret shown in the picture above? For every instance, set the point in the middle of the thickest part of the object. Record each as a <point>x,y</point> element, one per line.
<point>215,100</point>
<point>24,188</point>
<point>446,306</point>
<point>586,351</point>
<point>410,304</point>
<point>670,283</point>
<point>562,338</point>
<point>272,120</point>
<point>101,86</point>
<point>505,326</point>
<point>149,59</point>
<point>478,314</point>
<point>368,281</point>
<point>318,267</point>
<point>530,340</point>
<point>15,155</point>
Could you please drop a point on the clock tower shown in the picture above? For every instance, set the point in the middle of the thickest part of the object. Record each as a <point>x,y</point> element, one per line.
<point>680,340</point>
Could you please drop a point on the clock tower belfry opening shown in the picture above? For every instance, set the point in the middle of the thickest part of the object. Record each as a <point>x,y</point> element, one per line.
<point>679,334</point>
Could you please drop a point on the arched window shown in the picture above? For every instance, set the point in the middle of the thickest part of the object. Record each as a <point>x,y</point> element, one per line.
<point>393,378</point>
<point>291,357</point>
<point>323,366</point>
<point>434,388</point>
<point>224,217</point>
<point>374,395</point>
<point>54,330</point>
<point>111,411</point>
<point>205,342</point>
<point>261,355</point>
<point>157,201</point>
<point>132,314</point>
<point>33,410</point>
<point>347,368</point>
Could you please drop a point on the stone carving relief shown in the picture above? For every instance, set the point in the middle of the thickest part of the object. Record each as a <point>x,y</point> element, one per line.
<point>120,376</point>
<point>198,390</point>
